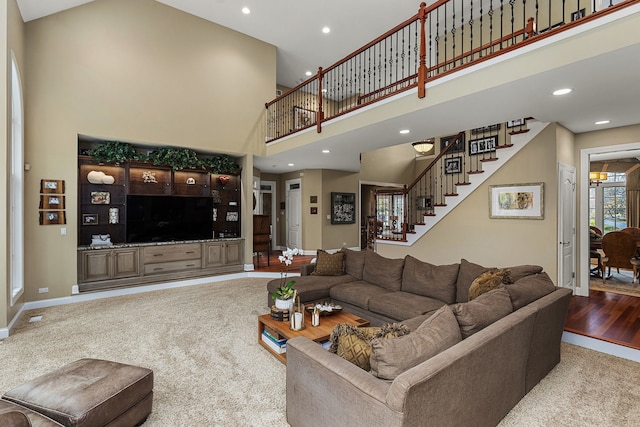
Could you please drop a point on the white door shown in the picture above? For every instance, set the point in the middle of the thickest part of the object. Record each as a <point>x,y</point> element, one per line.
<point>267,205</point>
<point>294,213</point>
<point>567,226</point>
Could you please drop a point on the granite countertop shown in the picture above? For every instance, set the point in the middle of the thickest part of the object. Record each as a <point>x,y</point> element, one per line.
<point>138,245</point>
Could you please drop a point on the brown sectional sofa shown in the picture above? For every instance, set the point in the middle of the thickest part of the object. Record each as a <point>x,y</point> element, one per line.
<point>511,340</point>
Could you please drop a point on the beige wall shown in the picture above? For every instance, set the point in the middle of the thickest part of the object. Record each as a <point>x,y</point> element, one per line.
<point>136,71</point>
<point>468,232</point>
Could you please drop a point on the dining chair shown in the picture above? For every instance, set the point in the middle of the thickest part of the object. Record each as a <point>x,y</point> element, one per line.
<point>633,232</point>
<point>619,251</point>
<point>596,233</point>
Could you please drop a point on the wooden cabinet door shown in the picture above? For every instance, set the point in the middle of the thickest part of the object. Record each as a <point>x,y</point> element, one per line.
<point>233,253</point>
<point>96,265</point>
<point>214,254</point>
<point>126,262</point>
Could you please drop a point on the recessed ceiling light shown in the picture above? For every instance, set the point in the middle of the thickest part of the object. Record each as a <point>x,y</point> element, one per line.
<point>290,164</point>
<point>326,30</point>
<point>404,131</point>
<point>326,151</point>
<point>603,122</point>
<point>561,91</point>
<point>308,73</point>
<point>246,10</point>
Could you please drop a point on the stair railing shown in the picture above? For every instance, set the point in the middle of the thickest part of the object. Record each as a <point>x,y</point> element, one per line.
<point>440,39</point>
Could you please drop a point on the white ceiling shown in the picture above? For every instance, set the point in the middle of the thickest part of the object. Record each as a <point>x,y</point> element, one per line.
<point>604,87</point>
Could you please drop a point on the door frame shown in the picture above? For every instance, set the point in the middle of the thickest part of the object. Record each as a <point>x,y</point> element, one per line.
<point>582,285</point>
<point>274,218</point>
<point>287,184</point>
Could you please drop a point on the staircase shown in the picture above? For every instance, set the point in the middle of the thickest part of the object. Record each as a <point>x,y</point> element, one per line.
<point>405,215</point>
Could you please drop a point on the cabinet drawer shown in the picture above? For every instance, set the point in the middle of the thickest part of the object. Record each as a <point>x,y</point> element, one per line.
<point>166,267</point>
<point>166,253</point>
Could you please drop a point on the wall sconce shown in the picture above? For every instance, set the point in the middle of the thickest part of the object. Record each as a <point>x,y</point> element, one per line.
<point>423,147</point>
<point>597,178</point>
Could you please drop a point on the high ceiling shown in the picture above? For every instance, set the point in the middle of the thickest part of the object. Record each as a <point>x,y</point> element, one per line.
<point>604,86</point>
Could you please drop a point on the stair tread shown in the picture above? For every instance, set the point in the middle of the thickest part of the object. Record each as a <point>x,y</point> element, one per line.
<point>474,172</point>
<point>491,159</point>
<point>503,146</point>
<point>462,183</point>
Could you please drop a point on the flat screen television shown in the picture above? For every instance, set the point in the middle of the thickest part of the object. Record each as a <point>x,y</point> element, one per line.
<point>168,218</point>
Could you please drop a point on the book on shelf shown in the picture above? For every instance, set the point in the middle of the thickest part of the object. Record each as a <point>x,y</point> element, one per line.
<point>273,346</point>
<point>276,340</point>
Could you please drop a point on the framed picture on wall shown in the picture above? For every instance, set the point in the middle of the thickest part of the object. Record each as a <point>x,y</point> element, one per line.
<point>483,145</point>
<point>521,201</point>
<point>343,208</point>
<point>453,165</point>
<point>458,145</point>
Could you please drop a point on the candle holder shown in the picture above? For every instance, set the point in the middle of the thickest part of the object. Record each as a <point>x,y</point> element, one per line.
<point>296,315</point>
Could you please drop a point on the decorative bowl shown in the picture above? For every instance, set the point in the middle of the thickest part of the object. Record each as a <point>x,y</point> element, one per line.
<point>325,309</point>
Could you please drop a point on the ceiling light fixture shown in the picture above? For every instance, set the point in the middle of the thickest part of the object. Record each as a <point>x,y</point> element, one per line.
<point>603,122</point>
<point>562,91</point>
<point>597,178</point>
<point>326,151</point>
<point>246,10</point>
<point>404,131</point>
<point>326,30</point>
<point>290,164</point>
<point>423,146</point>
<point>308,73</point>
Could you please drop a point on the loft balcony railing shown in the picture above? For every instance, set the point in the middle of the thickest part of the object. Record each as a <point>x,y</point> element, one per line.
<point>441,38</point>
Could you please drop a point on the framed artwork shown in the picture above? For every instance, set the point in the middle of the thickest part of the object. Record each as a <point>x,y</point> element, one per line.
<point>89,219</point>
<point>521,201</point>
<point>578,14</point>
<point>100,198</point>
<point>52,217</point>
<point>343,208</point>
<point>314,210</point>
<point>453,165</point>
<point>303,118</point>
<point>232,216</point>
<point>483,145</point>
<point>48,201</point>
<point>424,202</point>
<point>486,129</point>
<point>313,199</point>
<point>52,186</point>
<point>516,122</point>
<point>458,147</point>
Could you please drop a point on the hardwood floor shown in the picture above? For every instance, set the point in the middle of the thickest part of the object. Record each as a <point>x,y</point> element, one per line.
<point>603,315</point>
<point>606,316</point>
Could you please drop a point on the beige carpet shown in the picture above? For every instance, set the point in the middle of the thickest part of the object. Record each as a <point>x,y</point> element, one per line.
<point>201,342</point>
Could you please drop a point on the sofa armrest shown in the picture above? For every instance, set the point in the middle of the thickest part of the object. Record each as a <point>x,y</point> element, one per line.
<point>324,389</point>
<point>307,269</point>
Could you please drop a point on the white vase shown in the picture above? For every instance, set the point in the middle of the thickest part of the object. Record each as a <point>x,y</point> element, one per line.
<point>284,304</point>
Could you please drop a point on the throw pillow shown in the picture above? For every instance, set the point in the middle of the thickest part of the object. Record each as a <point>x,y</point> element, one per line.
<point>354,262</point>
<point>329,264</point>
<point>390,358</point>
<point>354,344</point>
<point>468,272</point>
<point>473,316</point>
<point>487,281</point>
<point>433,281</point>
<point>383,272</point>
<point>529,289</point>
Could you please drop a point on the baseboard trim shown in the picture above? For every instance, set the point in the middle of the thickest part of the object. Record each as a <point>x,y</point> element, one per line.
<point>601,346</point>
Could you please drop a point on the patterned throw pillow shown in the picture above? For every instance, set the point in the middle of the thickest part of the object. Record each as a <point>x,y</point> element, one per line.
<point>329,264</point>
<point>489,280</point>
<point>354,344</point>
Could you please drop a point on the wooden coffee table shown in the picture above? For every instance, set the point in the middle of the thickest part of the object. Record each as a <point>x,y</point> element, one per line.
<point>319,334</point>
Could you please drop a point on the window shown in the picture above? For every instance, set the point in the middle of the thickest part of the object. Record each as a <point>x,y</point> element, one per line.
<point>608,203</point>
<point>16,199</point>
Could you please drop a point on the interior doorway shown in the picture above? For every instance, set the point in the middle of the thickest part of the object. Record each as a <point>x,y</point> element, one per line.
<point>293,208</point>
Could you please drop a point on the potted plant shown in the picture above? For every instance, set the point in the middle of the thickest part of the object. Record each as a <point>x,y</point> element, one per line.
<point>284,294</point>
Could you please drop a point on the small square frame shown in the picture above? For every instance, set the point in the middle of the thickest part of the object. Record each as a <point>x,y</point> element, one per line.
<point>453,165</point>
<point>483,145</point>
<point>90,219</point>
<point>52,217</point>
<point>458,147</point>
<point>52,201</point>
<point>100,198</point>
<point>52,186</point>
<point>515,123</point>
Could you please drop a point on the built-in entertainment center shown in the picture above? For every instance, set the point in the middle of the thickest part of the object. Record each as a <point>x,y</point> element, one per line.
<point>139,222</point>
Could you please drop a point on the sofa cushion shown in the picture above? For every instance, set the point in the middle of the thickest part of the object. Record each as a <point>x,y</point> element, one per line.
<point>14,419</point>
<point>489,280</point>
<point>381,271</point>
<point>356,293</point>
<point>520,271</point>
<point>529,289</point>
<point>403,305</point>
<point>354,262</point>
<point>390,358</point>
<point>473,316</point>
<point>434,281</point>
<point>329,264</point>
<point>467,273</point>
<point>354,344</point>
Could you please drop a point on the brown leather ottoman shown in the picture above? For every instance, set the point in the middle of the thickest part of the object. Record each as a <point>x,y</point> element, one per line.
<point>90,393</point>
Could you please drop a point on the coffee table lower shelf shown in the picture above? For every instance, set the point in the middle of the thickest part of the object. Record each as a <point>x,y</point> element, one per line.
<point>282,331</point>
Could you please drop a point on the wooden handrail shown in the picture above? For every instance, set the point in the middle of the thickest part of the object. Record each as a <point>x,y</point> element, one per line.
<point>438,157</point>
